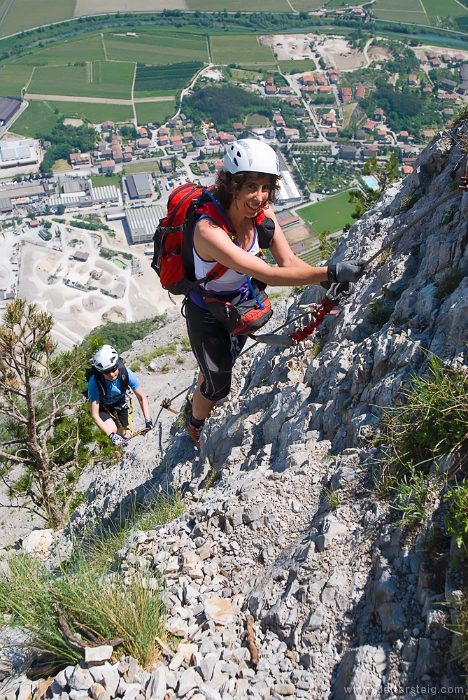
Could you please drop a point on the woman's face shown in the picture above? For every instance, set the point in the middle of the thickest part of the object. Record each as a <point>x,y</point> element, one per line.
<point>253,195</point>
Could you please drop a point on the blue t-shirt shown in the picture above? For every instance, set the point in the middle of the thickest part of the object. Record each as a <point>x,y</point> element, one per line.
<point>113,390</point>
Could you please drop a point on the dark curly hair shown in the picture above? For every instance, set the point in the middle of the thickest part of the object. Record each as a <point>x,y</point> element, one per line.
<point>228,186</point>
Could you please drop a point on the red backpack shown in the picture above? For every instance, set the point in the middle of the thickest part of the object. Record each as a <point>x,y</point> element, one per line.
<point>173,248</point>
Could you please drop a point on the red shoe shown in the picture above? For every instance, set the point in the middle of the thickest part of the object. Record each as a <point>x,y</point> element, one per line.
<point>193,430</point>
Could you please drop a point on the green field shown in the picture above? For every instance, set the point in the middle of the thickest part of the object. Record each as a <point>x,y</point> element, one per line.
<point>160,50</point>
<point>89,49</point>
<point>401,11</point>
<point>302,66</point>
<point>38,118</point>
<point>437,8</point>
<point>306,5</point>
<point>13,78</point>
<point>234,5</point>
<point>95,113</point>
<point>256,121</point>
<point>155,112</point>
<point>240,48</point>
<point>98,79</point>
<point>331,213</point>
<point>104,180</point>
<point>150,79</point>
<point>24,14</point>
<point>144,166</point>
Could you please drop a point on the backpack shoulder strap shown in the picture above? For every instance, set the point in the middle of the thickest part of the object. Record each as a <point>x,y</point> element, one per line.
<point>123,376</point>
<point>100,381</point>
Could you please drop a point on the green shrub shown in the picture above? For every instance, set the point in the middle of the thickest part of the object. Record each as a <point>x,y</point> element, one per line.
<point>379,313</point>
<point>410,497</point>
<point>448,282</point>
<point>159,352</point>
<point>456,520</point>
<point>432,420</point>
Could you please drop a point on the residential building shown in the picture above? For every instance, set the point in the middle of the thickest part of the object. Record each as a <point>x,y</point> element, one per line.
<point>403,136</point>
<point>107,126</point>
<point>278,120</point>
<point>199,141</point>
<point>166,165</point>
<point>448,84</point>
<point>379,114</point>
<point>238,126</point>
<point>407,169</point>
<point>370,151</point>
<point>360,92</point>
<point>413,80</point>
<point>332,132</point>
<point>270,89</point>
<point>79,159</point>
<point>218,165</point>
<point>381,135</point>
<point>204,169</point>
<point>369,125</point>
<point>107,166</point>
<point>285,90</point>
<point>348,152</point>
<point>360,135</point>
<point>435,62</point>
<point>144,143</point>
<point>187,137</point>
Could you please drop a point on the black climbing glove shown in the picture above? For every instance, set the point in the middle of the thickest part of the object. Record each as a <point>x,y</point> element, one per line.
<point>149,424</point>
<point>116,440</point>
<point>346,271</point>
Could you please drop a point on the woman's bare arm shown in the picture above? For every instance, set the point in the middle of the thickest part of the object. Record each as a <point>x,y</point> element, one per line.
<point>212,243</point>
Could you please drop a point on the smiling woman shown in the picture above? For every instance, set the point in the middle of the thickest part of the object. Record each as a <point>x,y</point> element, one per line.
<point>228,300</point>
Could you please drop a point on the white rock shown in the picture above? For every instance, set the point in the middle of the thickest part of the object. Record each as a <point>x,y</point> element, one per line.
<point>95,654</point>
<point>189,679</point>
<point>156,688</point>
<point>209,693</point>
<point>38,543</point>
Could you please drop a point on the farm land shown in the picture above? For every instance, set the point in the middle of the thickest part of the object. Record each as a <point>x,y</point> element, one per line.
<point>155,112</point>
<point>331,214</point>
<point>94,79</point>
<point>240,48</point>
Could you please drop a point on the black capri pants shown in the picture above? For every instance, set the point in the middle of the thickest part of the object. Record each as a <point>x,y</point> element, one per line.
<point>215,350</point>
<point>118,411</point>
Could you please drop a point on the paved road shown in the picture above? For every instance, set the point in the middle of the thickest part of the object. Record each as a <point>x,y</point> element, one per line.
<point>96,100</point>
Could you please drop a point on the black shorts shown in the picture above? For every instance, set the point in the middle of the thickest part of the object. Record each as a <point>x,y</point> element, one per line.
<point>214,348</point>
<point>117,411</point>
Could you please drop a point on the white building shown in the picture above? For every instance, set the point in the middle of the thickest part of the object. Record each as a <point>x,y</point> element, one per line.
<point>22,152</point>
<point>143,222</point>
<point>288,193</point>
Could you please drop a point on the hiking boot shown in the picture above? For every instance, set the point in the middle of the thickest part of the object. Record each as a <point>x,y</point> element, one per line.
<point>193,430</point>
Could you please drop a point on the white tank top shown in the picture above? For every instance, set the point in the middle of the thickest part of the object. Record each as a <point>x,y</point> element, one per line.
<point>231,281</point>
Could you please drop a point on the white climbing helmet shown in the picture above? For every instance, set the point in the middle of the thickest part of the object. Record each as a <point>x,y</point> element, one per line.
<point>105,358</point>
<point>251,155</point>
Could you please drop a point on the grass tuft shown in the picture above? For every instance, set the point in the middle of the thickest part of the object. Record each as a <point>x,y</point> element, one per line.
<point>109,604</point>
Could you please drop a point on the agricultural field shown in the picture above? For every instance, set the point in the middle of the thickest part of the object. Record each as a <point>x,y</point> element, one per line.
<point>38,118</point>
<point>331,213</point>
<point>302,66</point>
<point>13,78</point>
<point>97,79</point>
<point>156,50</point>
<point>402,11</point>
<point>240,48</point>
<point>24,14</point>
<point>88,49</point>
<point>144,166</point>
<point>95,113</point>
<point>88,7</point>
<point>150,80</point>
<point>155,112</point>
<point>445,8</point>
<point>306,5</point>
<point>242,5</point>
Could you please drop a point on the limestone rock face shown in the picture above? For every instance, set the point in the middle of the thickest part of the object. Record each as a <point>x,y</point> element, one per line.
<point>287,576</point>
